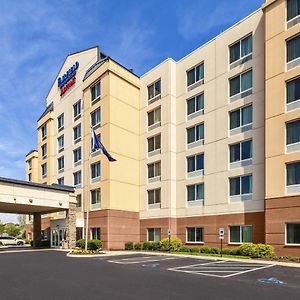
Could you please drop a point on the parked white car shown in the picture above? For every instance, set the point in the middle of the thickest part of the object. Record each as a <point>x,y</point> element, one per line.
<point>9,240</point>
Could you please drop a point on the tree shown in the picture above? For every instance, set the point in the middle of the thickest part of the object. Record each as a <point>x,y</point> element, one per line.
<point>12,230</point>
<point>2,228</point>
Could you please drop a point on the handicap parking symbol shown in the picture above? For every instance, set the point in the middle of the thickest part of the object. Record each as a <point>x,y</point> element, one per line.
<point>271,280</point>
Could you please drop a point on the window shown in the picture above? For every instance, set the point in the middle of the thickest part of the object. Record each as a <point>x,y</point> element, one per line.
<point>241,234</point>
<point>293,173</point>
<point>44,150</point>
<point>293,9</point>
<point>293,233</point>
<point>95,196</point>
<point>154,170</point>
<point>195,104</point>
<point>95,233</point>
<point>194,235</point>
<point>154,116</point>
<point>195,163</point>
<point>60,143</point>
<point>44,131</point>
<point>195,74</point>
<point>77,109</point>
<point>77,178</point>
<point>195,133</point>
<point>293,48</point>
<point>61,181</point>
<point>95,91</point>
<point>95,170</point>
<point>154,234</point>
<point>77,132</point>
<point>154,143</point>
<point>30,164</point>
<point>241,185</point>
<point>241,117</point>
<point>240,83</point>
<point>240,151</point>
<point>44,170</point>
<point>241,49</point>
<point>293,132</point>
<point>77,155</point>
<point>154,89</point>
<point>60,163</point>
<point>154,196</point>
<point>293,90</point>
<point>60,122</point>
<point>29,177</point>
<point>96,117</point>
<point>195,192</point>
<point>79,201</point>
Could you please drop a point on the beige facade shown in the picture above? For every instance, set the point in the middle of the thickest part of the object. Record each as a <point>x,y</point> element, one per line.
<point>200,143</point>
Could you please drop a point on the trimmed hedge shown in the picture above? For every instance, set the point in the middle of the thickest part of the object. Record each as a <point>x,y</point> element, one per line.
<point>91,244</point>
<point>247,249</point>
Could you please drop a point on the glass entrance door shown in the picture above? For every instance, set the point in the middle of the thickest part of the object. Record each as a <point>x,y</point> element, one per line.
<point>58,237</point>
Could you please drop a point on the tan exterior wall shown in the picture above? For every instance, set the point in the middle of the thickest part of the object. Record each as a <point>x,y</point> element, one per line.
<point>32,166</point>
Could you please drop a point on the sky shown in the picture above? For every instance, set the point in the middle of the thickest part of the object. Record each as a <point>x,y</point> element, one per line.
<point>36,37</point>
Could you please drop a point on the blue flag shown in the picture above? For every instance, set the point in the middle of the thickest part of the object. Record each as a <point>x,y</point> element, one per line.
<point>97,145</point>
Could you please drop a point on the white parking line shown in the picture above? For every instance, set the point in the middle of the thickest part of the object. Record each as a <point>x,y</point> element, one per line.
<point>127,261</point>
<point>215,269</point>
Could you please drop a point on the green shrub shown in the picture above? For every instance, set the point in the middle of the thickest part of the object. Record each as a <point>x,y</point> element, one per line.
<point>205,250</point>
<point>184,249</point>
<point>147,246</point>
<point>256,250</point>
<point>175,244</point>
<point>91,244</point>
<point>80,243</point>
<point>129,246</point>
<point>234,251</point>
<point>138,246</point>
<point>226,251</point>
<point>155,246</point>
<point>215,250</point>
<point>194,250</point>
<point>264,250</point>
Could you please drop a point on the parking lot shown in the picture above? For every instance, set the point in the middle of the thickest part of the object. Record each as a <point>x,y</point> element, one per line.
<point>52,275</point>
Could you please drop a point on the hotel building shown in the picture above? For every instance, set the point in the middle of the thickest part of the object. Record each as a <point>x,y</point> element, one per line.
<point>207,142</point>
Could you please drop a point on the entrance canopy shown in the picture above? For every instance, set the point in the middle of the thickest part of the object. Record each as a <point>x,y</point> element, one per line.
<point>23,197</point>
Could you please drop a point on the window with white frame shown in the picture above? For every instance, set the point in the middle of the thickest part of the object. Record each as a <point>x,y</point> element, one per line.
<point>241,117</point>
<point>194,235</point>
<point>44,131</point>
<point>60,122</point>
<point>154,196</point>
<point>241,234</point>
<point>77,178</point>
<point>95,91</point>
<point>60,163</point>
<point>154,116</point>
<point>154,170</point>
<point>44,169</point>
<point>154,234</point>
<point>293,234</point>
<point>293,90</point>
<point>96,233</point>
<point>79,201</point>
<point>293,48</point>
<point>95,196</point>
<point>195,163</point>
<point>77,155</point>
<point>77,109</point>
<point>96,170</point>
<point>195,192</point>
<point>30,164</point>
<point>240,83</point>
<point>60,143</point>
<point>195,74</point>
<point>44,150</point>
<point>293,173</point>
<point>241,49</point>
<point>96,117</point>
<point>240,151</point>
<point>240,185</point>
<point>154,89</point>
<point>195,104</point>
<point>293,132</point>
<point>61,181</point>
<point>293,9</point>
<point>154,143</point>
<point>195,133</point>
<point>77,132</point>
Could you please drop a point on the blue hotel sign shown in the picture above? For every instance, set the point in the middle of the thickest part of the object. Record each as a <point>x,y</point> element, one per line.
<point>68,79</point>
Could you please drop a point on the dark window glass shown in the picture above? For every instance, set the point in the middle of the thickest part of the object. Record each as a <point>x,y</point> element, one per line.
<point>235,188</point>
<point>235,234</point>
<point>235,52</point>
<point>293,132</point>
<point>293,173</point>
<point>235,153</point>
<point>293,9</point>
<point>195,235</point>
<point>235,86</point>
<point>247,149</point>
<point>235,119</point>
<point>246,184</point>
<point>293,48</point>
<point>293,90</point>
<point>293,233</point>
<point>246,115</point>
<point>246,46</point>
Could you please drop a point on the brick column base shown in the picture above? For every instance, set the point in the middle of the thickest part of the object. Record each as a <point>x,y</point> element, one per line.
<point>71,226</point>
